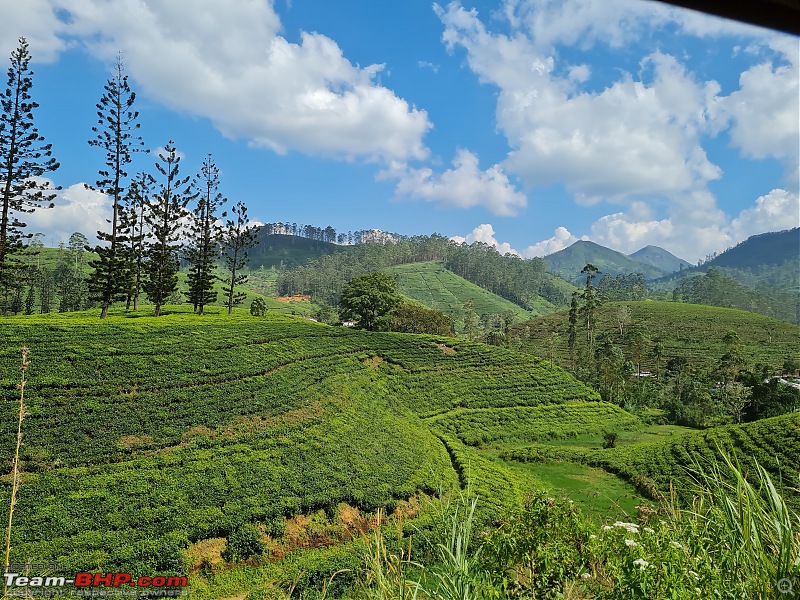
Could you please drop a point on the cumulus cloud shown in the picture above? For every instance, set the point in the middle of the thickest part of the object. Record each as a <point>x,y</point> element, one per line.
<point>639,141</point>
<point>561,239</point>
<point>228,63</point>
<point>775,211</point>
<point>697,227</point>
<point>463,186</point>
<point>638,136</point>
<point>484,233</point>
<point>764,111</point>
<point>76,209</point>
<point>35,20</point>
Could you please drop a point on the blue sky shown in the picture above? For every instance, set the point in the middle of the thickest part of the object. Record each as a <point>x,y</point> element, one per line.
<point>527,124</point>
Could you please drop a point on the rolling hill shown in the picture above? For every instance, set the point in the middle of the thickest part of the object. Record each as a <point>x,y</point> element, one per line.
<point>567,263</point>
<point>692,331</point>
<point>661,259</point>
<point>146,435</point>
<point>429,283</point>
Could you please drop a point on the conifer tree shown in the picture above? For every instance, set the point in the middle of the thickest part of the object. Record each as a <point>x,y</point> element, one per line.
<point>24,160</point>
<point>115,135</point>
<point>237,237</point>
<point>204,234</point>
<point>163,219</point>
<point>137,199</point>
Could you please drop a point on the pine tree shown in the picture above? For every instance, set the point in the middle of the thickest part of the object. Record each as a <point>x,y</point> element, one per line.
<point>236,239</point>
<point>110,280</point>
<point>24,160</point>
<point>204,234</point>
<point>137,199</point>
<point>163,219</point>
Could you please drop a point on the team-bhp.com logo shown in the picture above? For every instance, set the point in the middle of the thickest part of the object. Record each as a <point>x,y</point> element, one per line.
<point>91,584</point>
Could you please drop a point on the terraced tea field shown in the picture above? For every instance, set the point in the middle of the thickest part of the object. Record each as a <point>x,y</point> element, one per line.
<point>692,331</point>
<point>429,283</point>
<point>148,439</point>
<point>147,434</point>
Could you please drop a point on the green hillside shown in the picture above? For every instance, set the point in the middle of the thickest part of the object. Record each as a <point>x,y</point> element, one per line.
<point>691,331</point>
<point>429,283</point>
<point>664,261</point>
<point>286,250</point>
<point>567,263</point>
<point>657,467</point>
<point>145,434</point>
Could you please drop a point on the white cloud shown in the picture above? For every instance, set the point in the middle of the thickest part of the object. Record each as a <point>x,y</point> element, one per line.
<point>765,114</point>
<point>76,209</point>
<point>37,22</point>
<point>561,239</point>
<point>636,137</point>
<point>775,211</point>
<point>696,227</point>
<point>463,186</point>
<point>226,62</point>
<point>484,233</point>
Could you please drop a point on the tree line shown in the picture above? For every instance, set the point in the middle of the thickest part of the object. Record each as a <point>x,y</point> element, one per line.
<point>156,218</point>
<point>516,279</point>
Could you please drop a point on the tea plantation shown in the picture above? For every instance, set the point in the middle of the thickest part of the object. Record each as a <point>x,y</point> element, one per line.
<point>148,440</point>
<point>146,434</point>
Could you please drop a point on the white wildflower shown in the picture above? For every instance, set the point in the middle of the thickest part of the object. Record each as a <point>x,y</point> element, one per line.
<point>648,530</point>
<point>593,537</point>
<point>607,528</point>
<point>630,543</point>
<point>641,563</point>
<point>695,575</point>
<point>629,527</point>
<point>676,545</point>
<point>586,575</point>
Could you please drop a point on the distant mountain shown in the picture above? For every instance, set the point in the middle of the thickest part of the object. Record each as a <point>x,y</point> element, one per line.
<point>567,263</point>
<point>774,248</point>
<point>661,259</point>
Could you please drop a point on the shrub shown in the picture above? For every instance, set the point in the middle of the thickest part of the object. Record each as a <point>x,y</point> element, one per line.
<point>610,439</point>
<point>258,308</point>
<point>243,543</point>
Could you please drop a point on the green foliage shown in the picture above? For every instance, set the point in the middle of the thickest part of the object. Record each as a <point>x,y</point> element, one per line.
<point>204,233</point>
<point>715,289</point>
<point>688,331</point>
<point>112,276</point>
<point>658,468</point>
<point>438,288</point>
<point>237,238</point>
<point>368,299</point>
<point>548,422</point>
<point>523,282</point>
<point>25,160</point>
<point>258,308</point>
<point>412,318</point>
<point>537,548</point>
<point>163,218</point>
<point>610,439</point>
<point>244,542</point>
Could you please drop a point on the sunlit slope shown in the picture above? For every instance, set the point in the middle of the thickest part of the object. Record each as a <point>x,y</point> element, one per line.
<point>692,331</point>
<point>429,283</point>
<point>657,468</point>
<point>145,434</point>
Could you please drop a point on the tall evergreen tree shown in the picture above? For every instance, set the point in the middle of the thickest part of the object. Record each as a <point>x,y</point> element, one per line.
<point>137,199</point>
<point>204,234</point>
<point>24,160</point>
<point>163,219</point>
<point>237,237</point>
<point>114,135</point>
